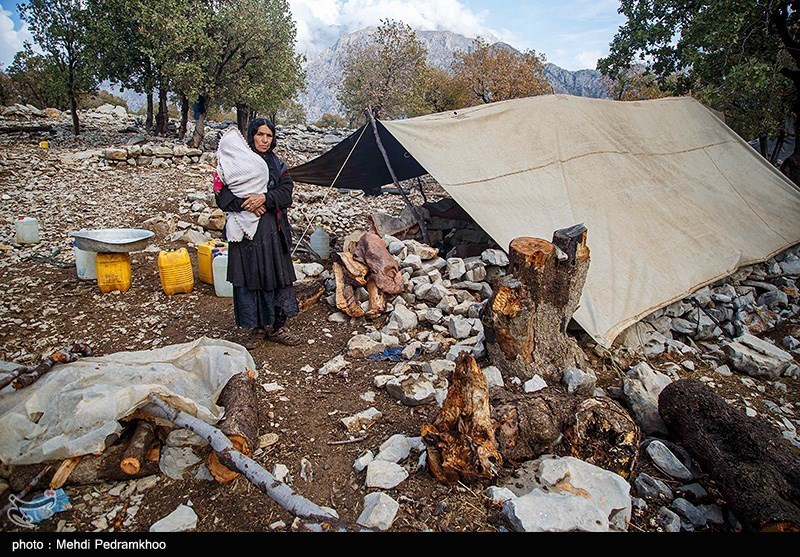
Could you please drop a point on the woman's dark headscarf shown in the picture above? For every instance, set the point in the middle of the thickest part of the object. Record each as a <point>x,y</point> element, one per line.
<point>253,128</point>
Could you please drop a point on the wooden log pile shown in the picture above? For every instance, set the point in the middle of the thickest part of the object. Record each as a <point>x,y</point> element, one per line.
<point>366,263</point>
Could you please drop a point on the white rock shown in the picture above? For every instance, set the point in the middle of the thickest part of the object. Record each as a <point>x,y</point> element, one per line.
<point>412,389</point>
<point>535,383</point>
<point>379,511</point>
<point>455,268</point>
<point>385,475</point>
<point>494,377</point>
<point>757,357</point>
<point>281,472</point>
<point>495,257</point>
<point>181,519</point>
<point>363,461</point>
<point>499,494</point>
<point>362,420</point>
<point>641,387</point>
<point>336,365</point>
<point>361,346</point>
<point>439,367</point>
<point>541,511</point>
<point>394,449</point>
<point>404,318</point>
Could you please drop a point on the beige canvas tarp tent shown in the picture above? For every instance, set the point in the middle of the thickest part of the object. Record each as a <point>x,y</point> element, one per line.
<point>672,198</point>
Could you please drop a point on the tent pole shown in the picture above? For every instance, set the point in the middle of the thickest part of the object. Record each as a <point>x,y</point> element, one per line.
<point>417,216</point>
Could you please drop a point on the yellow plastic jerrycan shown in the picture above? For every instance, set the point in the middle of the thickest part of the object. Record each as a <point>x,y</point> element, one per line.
<point>113,271</point>
<point>205,258</point>
<point>175,270</point>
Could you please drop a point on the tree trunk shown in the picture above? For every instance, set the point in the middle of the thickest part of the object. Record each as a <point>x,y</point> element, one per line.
<point>243,117</point>
<point>73,108</point>
<point>184,116</point>
<point>200,121</point>
<point>148,123</point>
<point>756,471</point>
<point>526,325</point>
<point>776,149</point>
<point>763,146</point>
<point>240,425</point>
<point>162,120</point>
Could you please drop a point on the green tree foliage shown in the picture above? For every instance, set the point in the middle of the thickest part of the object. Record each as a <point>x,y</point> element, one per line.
<point>37,80</point>
<point>59,28</point>
<point>329,120</point>
<point>384,74</point>
<point>8,90</point>
<point>742,57</point>
<point>496,73</point>
<point>248,58</point>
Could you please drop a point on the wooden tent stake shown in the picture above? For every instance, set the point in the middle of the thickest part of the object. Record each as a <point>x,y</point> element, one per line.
<point>417,216</point>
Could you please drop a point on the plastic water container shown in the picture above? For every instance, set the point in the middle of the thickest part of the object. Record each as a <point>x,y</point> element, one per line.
<point>85,263</point>
<point>175,271</point>
<point>222,287</point>
<point>113,272</point>
<point>205,257</point>
<point>27,229</point>
<point>321,242</point>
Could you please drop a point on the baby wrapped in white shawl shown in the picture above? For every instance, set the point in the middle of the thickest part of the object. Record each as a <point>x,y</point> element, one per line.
<point>245,173</point>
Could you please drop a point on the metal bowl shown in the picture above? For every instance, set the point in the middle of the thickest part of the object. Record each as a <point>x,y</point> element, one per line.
<point>112,240</point>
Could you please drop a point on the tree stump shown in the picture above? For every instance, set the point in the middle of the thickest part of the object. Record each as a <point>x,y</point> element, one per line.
<point>240,425</point>
<point>526,324</point>
<point>461,443</point>
<point>753,467</point>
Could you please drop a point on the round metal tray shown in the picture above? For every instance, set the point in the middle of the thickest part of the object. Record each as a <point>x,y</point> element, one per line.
<point>112,240</point>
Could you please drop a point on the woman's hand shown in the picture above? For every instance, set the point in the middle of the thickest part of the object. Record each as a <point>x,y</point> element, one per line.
<point>255,203</point>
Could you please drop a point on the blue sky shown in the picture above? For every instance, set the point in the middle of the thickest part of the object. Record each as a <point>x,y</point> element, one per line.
<point>571,33</point>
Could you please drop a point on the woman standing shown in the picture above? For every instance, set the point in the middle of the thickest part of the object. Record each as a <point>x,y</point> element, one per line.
<point>253,187</point>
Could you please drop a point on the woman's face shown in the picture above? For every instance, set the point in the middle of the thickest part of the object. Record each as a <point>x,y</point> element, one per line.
<point>263,139</point>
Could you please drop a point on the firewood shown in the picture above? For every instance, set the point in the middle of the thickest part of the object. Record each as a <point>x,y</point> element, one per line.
<point>377,301</point>
<point>25,128</point>
<point>240,425</point>
<point>26,375</point>
<point>278,491</point>
<point>526,325</point>
<point>756,471</point>
<point>345,296</point>
<point>63,472</point>
<point>371,250</point>
<point>307,297</point>
<point>90,470</point>
<point>140,442</point>
<point>355,272</point>
<point>461,442</point>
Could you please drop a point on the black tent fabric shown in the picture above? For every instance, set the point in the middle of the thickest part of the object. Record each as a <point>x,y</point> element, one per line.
<point>366,169</point>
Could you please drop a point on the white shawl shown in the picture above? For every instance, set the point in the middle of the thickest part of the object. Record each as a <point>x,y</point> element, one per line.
<point>244,172</point>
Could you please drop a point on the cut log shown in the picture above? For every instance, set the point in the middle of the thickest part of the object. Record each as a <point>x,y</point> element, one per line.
<point>461,443</point>
<point>278,491</point>
<point>371,250</point>
<point>240,425</point>
<point>355,271</point>
<point>136,452</point>
<point>90,470</point>
<point>63,472</point>
<point>307,297</point>
<point>377,301</point>
<point>526,325</point>
<point>345,296</point>
<point>756,471</point>
<point>22,128</point>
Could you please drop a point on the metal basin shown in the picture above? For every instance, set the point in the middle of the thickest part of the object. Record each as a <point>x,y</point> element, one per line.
<point>112,240</point>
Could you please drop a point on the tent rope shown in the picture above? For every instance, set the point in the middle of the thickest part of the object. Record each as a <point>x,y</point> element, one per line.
<point>325,197</point>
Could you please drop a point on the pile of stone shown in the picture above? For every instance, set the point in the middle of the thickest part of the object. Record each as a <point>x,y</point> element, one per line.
<point>149,154</point>
<point>721,322</point>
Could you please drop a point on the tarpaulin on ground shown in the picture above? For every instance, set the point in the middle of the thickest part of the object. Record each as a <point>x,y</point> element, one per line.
<point>71,410</point>
<point>672,198</point>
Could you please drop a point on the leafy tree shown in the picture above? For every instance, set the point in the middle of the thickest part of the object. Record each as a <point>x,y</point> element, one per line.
<point>37,80</point>
<point>740,56</point>
<point>384,74</point>
<point>289,111</point>
<point>8,90</point>
<point>497,73</point>
<point>59,28</point>
<point>634,84</point>
<point>442,91</point>
<point>329,120</point>
<point>247,58</point>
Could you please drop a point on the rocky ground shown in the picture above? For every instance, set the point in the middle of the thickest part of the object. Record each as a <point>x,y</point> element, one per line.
<point>156,184</point>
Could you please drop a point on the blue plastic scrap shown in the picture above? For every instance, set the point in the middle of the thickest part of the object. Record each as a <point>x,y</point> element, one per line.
<point>26,513</point>
<point>394,354</point>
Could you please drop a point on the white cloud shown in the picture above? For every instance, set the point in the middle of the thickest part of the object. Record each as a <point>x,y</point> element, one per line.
<point>11,39</point>
<point>321,22</point>
<point>588,58</point>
